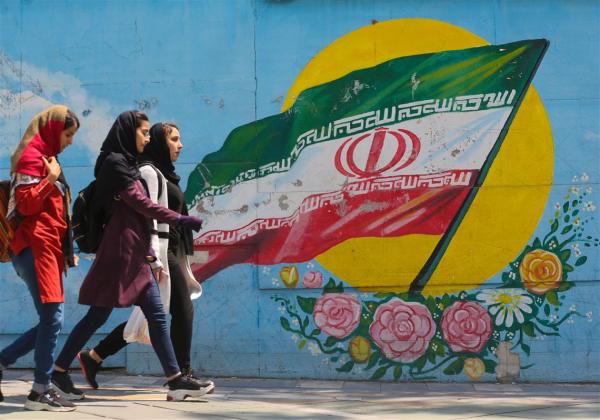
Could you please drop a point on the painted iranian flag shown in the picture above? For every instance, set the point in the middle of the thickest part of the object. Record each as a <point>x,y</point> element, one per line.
<point>390,150</point>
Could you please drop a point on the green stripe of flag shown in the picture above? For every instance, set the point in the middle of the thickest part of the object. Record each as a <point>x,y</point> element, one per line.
<point>448,74</point>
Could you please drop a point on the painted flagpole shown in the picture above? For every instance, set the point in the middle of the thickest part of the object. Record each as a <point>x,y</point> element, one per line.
<point>420,281</point>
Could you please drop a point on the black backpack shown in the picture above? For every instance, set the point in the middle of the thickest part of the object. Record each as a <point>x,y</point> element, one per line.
<point>87,221</point>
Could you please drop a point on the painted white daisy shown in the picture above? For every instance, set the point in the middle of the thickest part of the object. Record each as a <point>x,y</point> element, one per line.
<point>506,305</point>
<point>576,221</point>
<point>589,206</point>
<point>573,308</point>
<point>557,206</point>
<point>574,190</point>
<point>584,177</point>
<point>574,178</point>
<point>588,190</point>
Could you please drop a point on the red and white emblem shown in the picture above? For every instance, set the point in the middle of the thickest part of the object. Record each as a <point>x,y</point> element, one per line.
<point>377,153</point>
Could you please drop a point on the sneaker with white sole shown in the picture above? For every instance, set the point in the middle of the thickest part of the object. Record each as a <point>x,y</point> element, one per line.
<point>186,371</point>
<point>64,386</point>
<point>183,387</point>
<point>49,400</point>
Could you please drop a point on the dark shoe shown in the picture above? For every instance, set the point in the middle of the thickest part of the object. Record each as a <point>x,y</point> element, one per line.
<point>1,396</point>
<point>48,401</point>
<point>182,387</point>
<point>64,386</point>
<point>89,367</point>
<point>188,372</point>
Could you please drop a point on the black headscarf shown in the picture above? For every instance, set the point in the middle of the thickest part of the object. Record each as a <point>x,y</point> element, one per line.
<point>116,166</point>
<point>158,154</point>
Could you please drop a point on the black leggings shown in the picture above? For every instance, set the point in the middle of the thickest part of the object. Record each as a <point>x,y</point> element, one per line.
<point>182,320</point>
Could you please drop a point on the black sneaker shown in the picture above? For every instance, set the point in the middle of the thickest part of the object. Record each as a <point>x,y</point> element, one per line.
<point>48,401</point>
<point>64,386</point>
<point>1,396</point>
<point>89,367</point>
<point>204,383</point>
<point>182,387</point>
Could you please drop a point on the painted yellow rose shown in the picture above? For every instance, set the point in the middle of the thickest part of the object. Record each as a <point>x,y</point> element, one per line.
<point>359,349</point>
<point>474,368</point>
<point>540,271</point>
<point>289,276</point>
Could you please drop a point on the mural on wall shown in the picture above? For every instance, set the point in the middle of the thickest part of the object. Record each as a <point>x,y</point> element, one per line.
<point>470,332</point>
<point>395,149</point>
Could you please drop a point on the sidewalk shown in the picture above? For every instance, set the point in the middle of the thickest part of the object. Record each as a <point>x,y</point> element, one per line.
<point>142,397</point>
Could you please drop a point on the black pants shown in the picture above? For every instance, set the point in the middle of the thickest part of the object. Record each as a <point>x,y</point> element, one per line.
<point>182,319</point>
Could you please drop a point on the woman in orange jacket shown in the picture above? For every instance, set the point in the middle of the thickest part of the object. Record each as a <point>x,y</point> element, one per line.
<point>42,246</point>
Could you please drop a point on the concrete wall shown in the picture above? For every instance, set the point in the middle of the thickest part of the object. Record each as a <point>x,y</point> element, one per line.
<point>212,66</point>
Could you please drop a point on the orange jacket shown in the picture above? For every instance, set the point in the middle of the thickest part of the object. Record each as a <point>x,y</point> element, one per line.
<point>42,228</point>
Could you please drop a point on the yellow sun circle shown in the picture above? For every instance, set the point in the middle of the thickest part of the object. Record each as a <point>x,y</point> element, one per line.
<point>505,211</point>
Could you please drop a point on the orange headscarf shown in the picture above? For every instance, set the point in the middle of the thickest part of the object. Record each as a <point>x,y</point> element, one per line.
<point>42,138</point>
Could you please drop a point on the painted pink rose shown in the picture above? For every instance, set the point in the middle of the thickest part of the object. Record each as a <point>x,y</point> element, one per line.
<point>337,314</point>
<point>313,280</point>
<point>467,327</point>
<point>402,330</point>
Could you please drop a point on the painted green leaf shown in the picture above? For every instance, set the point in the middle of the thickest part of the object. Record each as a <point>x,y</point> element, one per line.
<point>380,295</point>
<point>431,357</point>
<point>306,304</point>
<point>331,341</point>
<point>373,360</point>
<point>334,359</point>
<point>575,213</point>
<point>564,286</point>
<point>285,324</point>
<point>554,226</point>
<point>580,261</point>
<point>420,363</point>
<point>455,367</point>
<point>490,365</point>
<point>565,254</point>
<point>305,322</point>
<point>574,203</point>
<point>537,243</point>
<point>528,329</point>
<point>346,367</point>
<point>566,207</point>
<point>568,268</point>
<point>566,229</point>
<point>331,287</point>
<point>397,372</point>
<point>547,309</point>
<point>301,344</point>
<point>526,348</point>
<point>567,218</point>
<point>379,372</point>
<point>552,298</point>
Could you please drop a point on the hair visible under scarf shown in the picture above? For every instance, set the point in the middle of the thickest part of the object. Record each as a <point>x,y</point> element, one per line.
<point>157,152</point>
<point>42,138</point>
<point>116,166</point>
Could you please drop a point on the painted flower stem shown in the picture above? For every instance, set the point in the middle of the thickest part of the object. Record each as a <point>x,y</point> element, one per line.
<point>440,364</point>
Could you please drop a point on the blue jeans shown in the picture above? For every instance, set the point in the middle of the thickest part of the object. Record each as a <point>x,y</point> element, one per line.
<point>41,338</point>
<point>154,312</point>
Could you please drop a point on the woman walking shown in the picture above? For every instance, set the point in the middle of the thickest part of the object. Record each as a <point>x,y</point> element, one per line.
<point>42,246</point>
<point>171,245</point>
<point>120,275</point>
